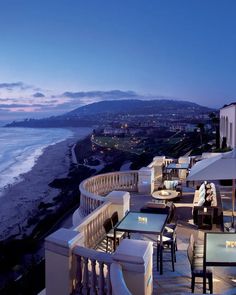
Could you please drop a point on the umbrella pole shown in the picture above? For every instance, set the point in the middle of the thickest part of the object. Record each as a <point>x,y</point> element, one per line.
<point>233,200</point>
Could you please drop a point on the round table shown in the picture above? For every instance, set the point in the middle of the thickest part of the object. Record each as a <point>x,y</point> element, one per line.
<point>165,195</point>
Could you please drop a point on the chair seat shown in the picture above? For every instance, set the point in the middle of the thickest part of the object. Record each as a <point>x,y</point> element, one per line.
<point>170,227</point>
<point>197,266</point>
<point>119,234</point>
<point>199,272</point>
<point>165,239</point>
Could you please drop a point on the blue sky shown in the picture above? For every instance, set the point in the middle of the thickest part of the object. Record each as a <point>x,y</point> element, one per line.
<point>58,55</point>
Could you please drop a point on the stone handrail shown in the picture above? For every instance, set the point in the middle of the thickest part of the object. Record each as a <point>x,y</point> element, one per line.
<point>117,280</point>
<point>93,189</point>
<point>92,225</point>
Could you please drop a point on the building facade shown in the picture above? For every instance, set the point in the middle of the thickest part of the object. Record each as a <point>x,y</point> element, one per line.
<point>228,126</point>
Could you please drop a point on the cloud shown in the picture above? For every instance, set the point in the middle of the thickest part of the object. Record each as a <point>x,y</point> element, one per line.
<point>22,105</point>
<point>38,94</point>
<point>13,85</point>
<point>112,94</point>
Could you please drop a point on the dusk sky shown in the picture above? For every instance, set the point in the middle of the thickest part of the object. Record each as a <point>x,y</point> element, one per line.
<point>57,55</point>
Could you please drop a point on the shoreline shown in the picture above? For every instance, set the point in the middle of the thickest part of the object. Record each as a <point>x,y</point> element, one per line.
<point>20,201</point>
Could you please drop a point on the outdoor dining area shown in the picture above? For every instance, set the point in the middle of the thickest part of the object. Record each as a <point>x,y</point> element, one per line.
<point>177,237</point>
<point>185,259</point>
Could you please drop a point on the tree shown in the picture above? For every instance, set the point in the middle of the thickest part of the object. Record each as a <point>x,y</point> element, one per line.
<point>201,130</point>
<point>216,127</point>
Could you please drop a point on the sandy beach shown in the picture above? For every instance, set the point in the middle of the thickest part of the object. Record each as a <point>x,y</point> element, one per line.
<point>21,201</point>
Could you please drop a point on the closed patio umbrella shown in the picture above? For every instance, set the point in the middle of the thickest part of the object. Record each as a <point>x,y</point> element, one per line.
<point>220,167</point>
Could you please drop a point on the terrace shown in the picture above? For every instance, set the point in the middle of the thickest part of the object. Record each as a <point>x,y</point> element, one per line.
<point>76,258</point>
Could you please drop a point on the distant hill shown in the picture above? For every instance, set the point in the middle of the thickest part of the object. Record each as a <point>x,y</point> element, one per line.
<point>91,114</point>
<point>137,107</point>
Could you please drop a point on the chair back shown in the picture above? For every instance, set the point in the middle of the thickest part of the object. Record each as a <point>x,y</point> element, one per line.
<point>190,250</point>
<point>172,209</point>
<point>114,218</point>
<point>107,225</point>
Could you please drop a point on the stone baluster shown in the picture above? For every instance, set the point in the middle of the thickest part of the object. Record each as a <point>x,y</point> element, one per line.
<point>109,288</point>
<point>85,289</point>
<point>101,281</point>
<point>93,290</point>
<point>79,285</point>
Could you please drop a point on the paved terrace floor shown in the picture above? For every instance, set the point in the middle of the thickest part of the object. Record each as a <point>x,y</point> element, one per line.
<point>179,282</point>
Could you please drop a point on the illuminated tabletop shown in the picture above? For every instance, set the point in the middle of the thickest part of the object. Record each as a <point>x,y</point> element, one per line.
<point>219,250</point>
<point>136,222</point>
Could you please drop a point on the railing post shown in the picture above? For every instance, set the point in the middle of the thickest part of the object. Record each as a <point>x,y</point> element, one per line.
<point>146,180</point>
<point>120,202</point>
<point>60,268</point>
<point>135,258</point>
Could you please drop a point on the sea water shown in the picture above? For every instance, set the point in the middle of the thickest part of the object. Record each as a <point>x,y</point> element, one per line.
<point>20,148</point>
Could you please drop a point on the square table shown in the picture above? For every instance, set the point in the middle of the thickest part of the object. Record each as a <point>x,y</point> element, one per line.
<point>173,169</point>
<point>148,223</point>
<point>217,253</point>
<point>177,166</point>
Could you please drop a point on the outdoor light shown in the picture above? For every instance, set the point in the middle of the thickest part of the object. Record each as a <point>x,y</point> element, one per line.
<point>142,219</point>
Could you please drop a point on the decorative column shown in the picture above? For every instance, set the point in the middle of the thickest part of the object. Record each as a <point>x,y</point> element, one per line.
<point>146,180</point>
<point>135,258</point>
<point>60,269</point>
<point>120,202</point>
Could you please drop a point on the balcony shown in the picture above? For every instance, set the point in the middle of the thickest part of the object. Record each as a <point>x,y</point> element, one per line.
<point>76,262</point>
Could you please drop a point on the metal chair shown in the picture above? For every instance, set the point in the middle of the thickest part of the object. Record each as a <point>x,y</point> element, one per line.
<point>114,218</point>
<point>168,242</point>
<point>171,228</point>
<point>195,257</point>
<point>110,233</point>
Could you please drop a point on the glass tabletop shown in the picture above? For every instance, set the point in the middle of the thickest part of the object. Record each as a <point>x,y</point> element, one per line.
<point>143,222</point>
<point>178,166</point>
<point>221,248</point>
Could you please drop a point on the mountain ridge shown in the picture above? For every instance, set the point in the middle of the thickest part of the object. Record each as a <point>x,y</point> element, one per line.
<point>91,114</point>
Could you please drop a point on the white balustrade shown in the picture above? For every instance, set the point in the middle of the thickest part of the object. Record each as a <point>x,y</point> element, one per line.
<point>94,189</point>
<point>92,225</point>
<point>93,271</point>
<point>117,280</point>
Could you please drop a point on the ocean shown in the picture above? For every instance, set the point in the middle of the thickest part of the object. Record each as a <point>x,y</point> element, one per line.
<point>20,148</point>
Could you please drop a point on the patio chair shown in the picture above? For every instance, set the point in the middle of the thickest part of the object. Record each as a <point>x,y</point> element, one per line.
<point>170,228</point>
<point>195,257</point>
<point>114,218</point>
<point>108,226</point>
<point>168,243</point>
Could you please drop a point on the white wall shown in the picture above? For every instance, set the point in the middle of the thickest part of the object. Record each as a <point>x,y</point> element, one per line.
<point>228,122</point>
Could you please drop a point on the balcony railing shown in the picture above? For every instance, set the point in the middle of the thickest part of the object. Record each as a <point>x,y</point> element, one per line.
<point>92,225</point>
<point>93,189</point>
<point>92,272</point>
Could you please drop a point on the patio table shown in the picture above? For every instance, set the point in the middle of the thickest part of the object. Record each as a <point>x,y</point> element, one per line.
<point>219,250</point>
<point>165,195</point>
<point>145,223</point>
<point>177,166</point>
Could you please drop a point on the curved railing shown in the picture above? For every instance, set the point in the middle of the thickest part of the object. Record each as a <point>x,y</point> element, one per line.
<point>117,280</point>
<point>93,189</point>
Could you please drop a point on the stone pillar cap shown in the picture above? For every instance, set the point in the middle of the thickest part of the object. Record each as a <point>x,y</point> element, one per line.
<point>133,251</point>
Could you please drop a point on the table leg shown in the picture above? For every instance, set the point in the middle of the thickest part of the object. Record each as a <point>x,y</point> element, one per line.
<point>114,242</point>
<point>204,277</point>
<point>161,255</point>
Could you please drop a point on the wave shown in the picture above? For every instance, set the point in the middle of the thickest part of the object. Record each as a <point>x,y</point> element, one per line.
<point>20,149</point>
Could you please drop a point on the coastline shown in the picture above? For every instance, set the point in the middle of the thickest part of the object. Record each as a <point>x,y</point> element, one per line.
<point>21,200</point>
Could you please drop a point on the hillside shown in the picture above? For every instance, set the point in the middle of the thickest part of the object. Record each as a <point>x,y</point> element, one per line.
<point>137,107</point>
<point>94,113</point>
